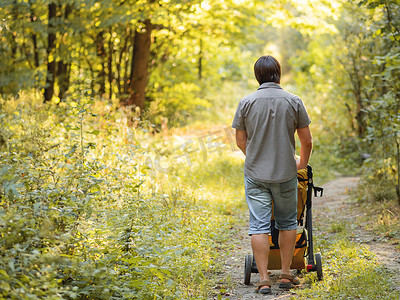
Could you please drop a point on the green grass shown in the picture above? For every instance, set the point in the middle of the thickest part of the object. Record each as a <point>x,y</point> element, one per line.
<point>350,270</point>
<point>383,219</point>
<point>377,199</point>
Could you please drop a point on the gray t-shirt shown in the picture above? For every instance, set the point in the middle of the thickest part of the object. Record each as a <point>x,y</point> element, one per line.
<point>270,117</point>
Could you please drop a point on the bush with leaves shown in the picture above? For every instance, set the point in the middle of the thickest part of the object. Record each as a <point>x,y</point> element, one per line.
<point>84,216</point>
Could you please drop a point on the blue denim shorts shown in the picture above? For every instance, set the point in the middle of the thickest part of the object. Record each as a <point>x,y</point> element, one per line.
<point>259,197</point>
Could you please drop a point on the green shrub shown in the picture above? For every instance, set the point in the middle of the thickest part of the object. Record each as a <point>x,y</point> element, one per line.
<point>86,215</point>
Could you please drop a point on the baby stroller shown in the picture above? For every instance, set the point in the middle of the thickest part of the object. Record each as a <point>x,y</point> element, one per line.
<point>304,240</point>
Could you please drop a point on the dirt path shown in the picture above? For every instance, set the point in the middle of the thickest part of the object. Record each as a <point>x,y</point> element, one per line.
<point>339,206</point>
<point>336,205</point>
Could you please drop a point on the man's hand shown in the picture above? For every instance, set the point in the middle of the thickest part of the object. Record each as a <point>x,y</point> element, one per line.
<point>305,146</point>
<point>241,140</point>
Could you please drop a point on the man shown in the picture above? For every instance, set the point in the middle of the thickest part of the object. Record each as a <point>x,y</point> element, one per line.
<point>265,123</point>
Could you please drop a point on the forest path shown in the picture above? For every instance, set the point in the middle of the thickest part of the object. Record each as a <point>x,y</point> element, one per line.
<point>335,206</point>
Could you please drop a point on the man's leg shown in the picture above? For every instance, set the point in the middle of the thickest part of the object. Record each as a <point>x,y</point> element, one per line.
<point>287,240</point>
<point>259,201</point>
<point>260,246</point>
<point>285,212</point>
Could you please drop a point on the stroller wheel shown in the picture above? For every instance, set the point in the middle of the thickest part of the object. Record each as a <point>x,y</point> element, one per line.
<point>318,264</point>
<point>247,268</point>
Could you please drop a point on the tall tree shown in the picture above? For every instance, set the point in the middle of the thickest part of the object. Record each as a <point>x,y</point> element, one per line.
<point>51,52</point>
<point>101,53</point>
<point>64,62</point>
<point>32,19</point>
<point>140,65</point>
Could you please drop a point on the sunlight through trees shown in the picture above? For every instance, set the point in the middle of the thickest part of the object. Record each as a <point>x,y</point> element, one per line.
<point>95,95</point>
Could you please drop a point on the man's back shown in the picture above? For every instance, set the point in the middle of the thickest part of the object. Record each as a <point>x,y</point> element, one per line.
<point>270,117</point>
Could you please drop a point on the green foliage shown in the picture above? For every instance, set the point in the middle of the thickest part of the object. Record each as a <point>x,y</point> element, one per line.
<point>384,107</point>
<point>376,197</point>
<point>96,40</point>
<point>84,216</point>
<point>348,79</point>
<point>350,271</point>
<point>176,104</point>
<point>378,186</point>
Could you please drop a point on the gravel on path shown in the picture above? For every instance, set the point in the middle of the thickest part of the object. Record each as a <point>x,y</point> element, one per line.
<point>335,205</point>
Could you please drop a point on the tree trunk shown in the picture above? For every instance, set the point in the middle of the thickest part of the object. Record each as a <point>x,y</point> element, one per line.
<point>32,19</point>
<point>356,80</point>
<point>126,81</point>
<point>13,37</point>
<point>35,50</point>
<point>118,63</point>
<point>360,116</point>
<point>63,66</point>
<point>63,72</point>
<point>398,169</point>
<point>200,65</point>
<point>51,46</point>
<point>140,64</point>
<point>101,54</point>
<point>110,58</point>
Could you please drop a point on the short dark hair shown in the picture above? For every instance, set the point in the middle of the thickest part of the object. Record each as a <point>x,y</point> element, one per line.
<point>267,69</point>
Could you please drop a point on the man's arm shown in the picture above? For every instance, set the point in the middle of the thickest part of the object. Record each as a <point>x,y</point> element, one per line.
<point>305,146</point>
<point>241,140</point>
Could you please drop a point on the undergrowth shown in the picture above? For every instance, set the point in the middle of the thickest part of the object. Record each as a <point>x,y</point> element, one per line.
<point>383,218</point>
<point>94,205</point>
<point>378,201</point>
<point>350,270</point>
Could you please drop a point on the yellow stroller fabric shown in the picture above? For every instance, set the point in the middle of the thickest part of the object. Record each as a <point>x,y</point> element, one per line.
<point>301,193</point>
<point>298,261</point>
